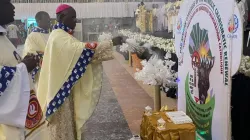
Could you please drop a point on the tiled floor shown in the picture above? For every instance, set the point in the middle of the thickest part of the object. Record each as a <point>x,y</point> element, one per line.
<point>132,96</point>
<point>170,102</point>
<point>108,121</point>
<point>129,94</point>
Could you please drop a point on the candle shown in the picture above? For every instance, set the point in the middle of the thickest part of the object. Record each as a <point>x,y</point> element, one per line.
<point>161,124</point>
<point>148,111</point>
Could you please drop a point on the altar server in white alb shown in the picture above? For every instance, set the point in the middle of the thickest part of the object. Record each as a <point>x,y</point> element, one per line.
<point>20,112</point>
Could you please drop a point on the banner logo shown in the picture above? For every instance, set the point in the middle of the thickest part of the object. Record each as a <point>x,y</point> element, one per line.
<point>233,26</point>
<point>179,25</point>
<point>200,94</point>
<point>35,113</point>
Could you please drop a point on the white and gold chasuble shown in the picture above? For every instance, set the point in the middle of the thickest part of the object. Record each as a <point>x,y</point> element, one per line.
<point>70,83</point>
<point>141,13</point>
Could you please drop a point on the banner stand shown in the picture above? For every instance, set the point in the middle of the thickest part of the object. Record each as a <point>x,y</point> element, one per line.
<point>209,48</point>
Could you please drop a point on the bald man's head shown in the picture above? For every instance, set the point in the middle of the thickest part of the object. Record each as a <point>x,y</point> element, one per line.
<point>7,12</point>
<point>67,17</point>
<point>43,20</point>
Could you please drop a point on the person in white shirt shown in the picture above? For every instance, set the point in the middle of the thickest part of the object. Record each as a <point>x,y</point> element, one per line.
<point>13,30</point>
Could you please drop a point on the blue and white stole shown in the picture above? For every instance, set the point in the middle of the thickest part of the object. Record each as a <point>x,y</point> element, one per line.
<point>77,72</point>
<point>63,27</point>
<point>40,30</point>
<point>6,75</point>
<point>39,55</point>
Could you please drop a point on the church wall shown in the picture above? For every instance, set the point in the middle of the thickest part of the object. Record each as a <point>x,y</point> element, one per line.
<point>84,10</point>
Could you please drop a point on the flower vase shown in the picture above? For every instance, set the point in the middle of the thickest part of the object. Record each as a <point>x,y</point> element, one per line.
<point>130,59</point>
<point>157,98</point>
<point>136,62</point>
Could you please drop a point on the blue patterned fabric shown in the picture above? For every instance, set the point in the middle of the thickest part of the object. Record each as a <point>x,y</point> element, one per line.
<point>35,71</point>
<point>63,27</point>
<point>6,75</point>
<point>65,90</point>
<point>40,30</point>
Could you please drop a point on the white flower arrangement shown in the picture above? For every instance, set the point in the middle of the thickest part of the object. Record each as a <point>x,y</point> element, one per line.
<point>125,48</point>
<point>166,44</point>
<point>105,37</point>
<point>245,65</point>
<point>157,72</point>
<point>131,46</point>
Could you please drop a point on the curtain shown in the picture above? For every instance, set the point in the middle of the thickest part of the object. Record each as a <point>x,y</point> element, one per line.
<point>77,1</point>
<point>84,10</point>
<point>240,111</point>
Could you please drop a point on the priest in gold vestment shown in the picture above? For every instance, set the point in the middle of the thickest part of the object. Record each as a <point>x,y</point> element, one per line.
<point>170,12</point>
<point>141,14</point>
<point>71,75</point>
<point>142,18</point>
<point>150,21</point>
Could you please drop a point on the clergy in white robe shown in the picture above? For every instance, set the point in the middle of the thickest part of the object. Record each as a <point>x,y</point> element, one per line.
<point>137,18</point>
<point>14,91</point>
<point>160,14</point>
<point>20,112</point>
<point>37,40</point>
<point>70,79</point>
<point>35,44</point>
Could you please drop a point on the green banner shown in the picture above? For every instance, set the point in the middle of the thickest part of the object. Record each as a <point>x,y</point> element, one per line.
<point>201,114</point>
